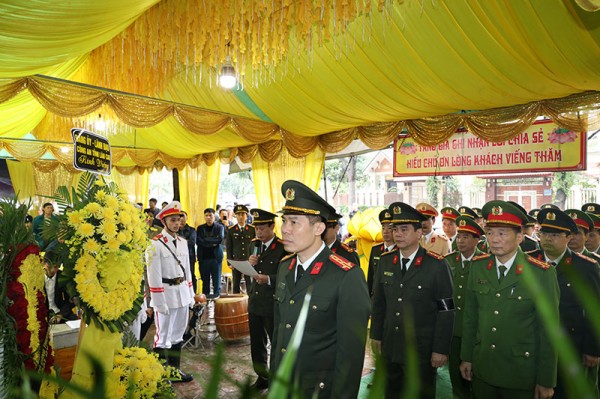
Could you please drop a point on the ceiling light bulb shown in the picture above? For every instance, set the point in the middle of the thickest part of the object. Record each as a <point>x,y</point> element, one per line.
<point>227,77</point>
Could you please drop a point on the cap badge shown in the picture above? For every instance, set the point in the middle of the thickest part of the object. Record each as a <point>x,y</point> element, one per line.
<point>551,216</point>
<point>290,194</point>
<point>462,210</point>
<point>422,208</point>
<point>462,223</point>
<point>573,216</point>
<point>448,212</point>
<point>255,214</point>
<point>387,215</point>
<point>591,208</point>
<point>497,211</point>
<point>397,209</point>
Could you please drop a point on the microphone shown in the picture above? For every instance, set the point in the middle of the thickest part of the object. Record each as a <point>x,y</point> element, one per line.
<point>257,246</point>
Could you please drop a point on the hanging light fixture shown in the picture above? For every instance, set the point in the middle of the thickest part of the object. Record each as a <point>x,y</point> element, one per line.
<point>227,78</point>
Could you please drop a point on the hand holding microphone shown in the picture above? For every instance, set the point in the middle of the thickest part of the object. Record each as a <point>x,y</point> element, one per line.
<point>253,259</point>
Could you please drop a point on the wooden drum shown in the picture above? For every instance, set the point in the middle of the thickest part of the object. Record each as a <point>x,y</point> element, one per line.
<point>231,316</point>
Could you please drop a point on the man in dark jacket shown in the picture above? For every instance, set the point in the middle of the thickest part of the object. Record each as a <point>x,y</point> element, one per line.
<point>189,233</point>
<point>385,218</point>
<point>267,250</point>
<point>210,253</point>
<point>238,240</point>
<point>412,307</point>
<point>330,358</point>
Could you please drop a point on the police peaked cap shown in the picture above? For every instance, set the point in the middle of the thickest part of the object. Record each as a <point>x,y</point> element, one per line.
<point>555,220</point>
<point>301,200</point>
<point>385,216</point>
<point>468,212</point>
<point>591,207</point>
<point>449,213</point>
<point>174,208</point>
<point>502,213</point>
<point>240,209</point>
<point>427,209</point>
<point>405,214</point>
<point>581,219</point>
<point>261,216</point>
<point>467,224</point>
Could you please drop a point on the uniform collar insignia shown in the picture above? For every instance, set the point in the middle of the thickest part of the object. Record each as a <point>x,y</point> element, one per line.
<point>316,269</point>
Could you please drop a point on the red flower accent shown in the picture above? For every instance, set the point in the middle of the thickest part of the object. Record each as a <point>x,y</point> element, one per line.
<point>490,264</point>
<point>395,261</point>
<point>418,260</point>
<point>519,269</point>
<point>316,268</point>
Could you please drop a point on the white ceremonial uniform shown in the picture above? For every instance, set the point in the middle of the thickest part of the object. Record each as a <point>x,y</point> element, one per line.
<point>177,298</point>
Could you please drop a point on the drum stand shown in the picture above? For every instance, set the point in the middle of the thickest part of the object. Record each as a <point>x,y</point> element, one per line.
<point>202,314</point>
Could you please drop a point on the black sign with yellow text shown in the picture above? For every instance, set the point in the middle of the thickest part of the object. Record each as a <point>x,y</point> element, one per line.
<point>91,152</point>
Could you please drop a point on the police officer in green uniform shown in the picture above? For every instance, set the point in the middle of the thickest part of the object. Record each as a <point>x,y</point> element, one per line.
<point>469,233</point>
<point>592,242</point>
<point>529,243</point>
<point>385,218</point>
<point>332,241</point>
<point>238,241</point>
<point>449,216</point>
<point>267,251</point>
<point>330,358</point>
<point>506,351</point>
<point>412,307</point>
<point>575,272</point>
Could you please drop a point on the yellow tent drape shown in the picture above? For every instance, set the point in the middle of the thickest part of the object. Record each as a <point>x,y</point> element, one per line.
<point>48,179</point>
<point>198,190</point>
<point>136,185</point>
<point>21,176</point>
<point>269,176</point>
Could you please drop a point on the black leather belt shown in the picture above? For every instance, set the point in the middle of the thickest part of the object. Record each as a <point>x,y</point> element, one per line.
<point>173,281</point>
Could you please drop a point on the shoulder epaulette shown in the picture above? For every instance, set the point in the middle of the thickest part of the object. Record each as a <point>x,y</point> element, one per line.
<point>582,256</point>
<point>449,254</point>
<point>388,252</point>
<point>539,263</point>
<point>255,239</point>
<point>279,240</point>
<point>482,256</point>
<point>341,262</point>
<point>443,237</point>
<point>346,247</point>
<point>231,227</point>
<point>287,257</point>
<point>434,255</point>
<point>157,237</point>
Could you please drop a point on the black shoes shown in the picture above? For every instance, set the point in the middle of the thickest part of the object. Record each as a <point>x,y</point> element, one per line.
<point>260,384</point>
<point>184,377</point>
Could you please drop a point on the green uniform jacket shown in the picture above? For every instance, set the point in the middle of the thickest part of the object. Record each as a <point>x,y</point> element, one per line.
<point>460,277</point>
<point>345,252</point>
<point>238,241</point>
<point>424,294</point>
<point>503,332</point>
<point>331,356</point>
<point>260,296</point>
<point>573,271</point>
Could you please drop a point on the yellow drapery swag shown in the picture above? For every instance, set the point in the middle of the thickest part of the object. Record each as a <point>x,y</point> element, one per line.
<point>136,185</point>
<point>198,190</point>
<point>197,128</point>
<point>269,176</point>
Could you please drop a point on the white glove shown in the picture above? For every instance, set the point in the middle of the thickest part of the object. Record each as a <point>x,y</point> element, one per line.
<point>163,309</point>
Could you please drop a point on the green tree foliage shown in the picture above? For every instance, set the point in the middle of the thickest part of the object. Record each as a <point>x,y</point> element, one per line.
<point>562,183</point>
<point>434,185</point>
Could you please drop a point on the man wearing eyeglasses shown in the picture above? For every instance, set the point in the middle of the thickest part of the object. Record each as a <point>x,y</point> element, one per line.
<point>576,274</point>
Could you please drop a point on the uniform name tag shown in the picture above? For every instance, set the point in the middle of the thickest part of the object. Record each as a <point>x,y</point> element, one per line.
<point>388,273</point>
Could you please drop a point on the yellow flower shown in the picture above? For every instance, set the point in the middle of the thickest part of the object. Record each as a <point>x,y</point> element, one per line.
<point>112,202</point>
<point>124,218</point>
<point>108,229</point>
<point>86,230</point>
<point>108,213</point>
<point>113,244</point>
<point>122,237</point>
<point>91,245</point>
<point>94,208</point>
<point>75,218</point>
<point>100,195</point>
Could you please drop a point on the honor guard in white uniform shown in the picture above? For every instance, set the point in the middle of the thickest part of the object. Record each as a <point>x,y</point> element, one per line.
<point>171,290</point>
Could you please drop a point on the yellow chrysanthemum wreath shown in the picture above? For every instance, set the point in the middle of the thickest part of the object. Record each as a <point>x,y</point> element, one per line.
<point>32,281</point>
<point>105,236</point>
